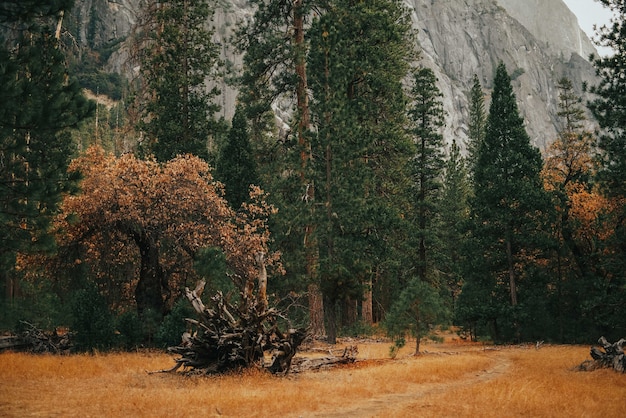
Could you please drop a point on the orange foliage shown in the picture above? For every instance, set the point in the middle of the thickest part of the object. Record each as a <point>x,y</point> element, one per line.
<point>177,207</point>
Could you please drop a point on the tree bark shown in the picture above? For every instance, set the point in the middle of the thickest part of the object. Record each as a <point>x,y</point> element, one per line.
<point>316,311</point>
<point>511,266</point>
<point>330,312</point>
<point>367,306</point>
<point>149,290</point>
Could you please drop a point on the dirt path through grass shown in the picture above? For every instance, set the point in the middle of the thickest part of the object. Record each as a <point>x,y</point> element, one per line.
<point>417,394</point>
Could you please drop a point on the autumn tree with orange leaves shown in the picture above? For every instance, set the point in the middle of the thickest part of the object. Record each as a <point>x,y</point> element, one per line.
<point>582,224</point>
<point>156,218</point>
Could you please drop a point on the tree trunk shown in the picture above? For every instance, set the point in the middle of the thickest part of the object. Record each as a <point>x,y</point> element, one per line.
<point>350,312</point>
<point>367,310</point>
<point>149,290</point>
<point>316,311</point>
<point>316,306</point>
<point>512,281</point>
<point>330,312</point>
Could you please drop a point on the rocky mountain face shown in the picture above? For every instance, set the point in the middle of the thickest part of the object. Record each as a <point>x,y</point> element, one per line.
<point>540,41</point>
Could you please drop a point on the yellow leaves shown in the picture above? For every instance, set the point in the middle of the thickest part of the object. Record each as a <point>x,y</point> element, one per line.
<point>589,210</point>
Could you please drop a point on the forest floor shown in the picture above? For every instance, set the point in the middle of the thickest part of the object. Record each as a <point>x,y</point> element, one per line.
<point>450,378</point>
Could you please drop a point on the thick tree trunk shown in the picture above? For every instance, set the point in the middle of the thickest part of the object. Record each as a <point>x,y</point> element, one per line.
<point>149,290</point>
<point>316,311</point>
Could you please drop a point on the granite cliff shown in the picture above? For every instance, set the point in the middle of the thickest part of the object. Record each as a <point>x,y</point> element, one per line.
<point>538,40</point>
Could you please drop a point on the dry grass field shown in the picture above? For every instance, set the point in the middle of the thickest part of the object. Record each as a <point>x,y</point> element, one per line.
<point>450,380</point>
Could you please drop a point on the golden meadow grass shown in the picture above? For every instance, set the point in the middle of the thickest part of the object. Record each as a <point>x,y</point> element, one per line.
<point>471,381</point>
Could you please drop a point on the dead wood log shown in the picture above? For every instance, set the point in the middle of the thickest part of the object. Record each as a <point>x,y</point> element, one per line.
<point>302,364</point>
<point>35,340</point>
<point>607,356</point>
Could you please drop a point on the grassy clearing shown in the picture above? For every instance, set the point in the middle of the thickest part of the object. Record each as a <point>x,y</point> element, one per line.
<point>470,382</point>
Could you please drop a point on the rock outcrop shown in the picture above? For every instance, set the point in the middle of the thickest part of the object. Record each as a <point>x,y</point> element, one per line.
<point>538,40</point>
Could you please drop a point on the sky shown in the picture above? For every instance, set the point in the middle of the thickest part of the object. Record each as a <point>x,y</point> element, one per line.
<point>589,12</point>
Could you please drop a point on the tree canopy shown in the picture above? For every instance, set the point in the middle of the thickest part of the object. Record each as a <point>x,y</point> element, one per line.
<point>158,218</point>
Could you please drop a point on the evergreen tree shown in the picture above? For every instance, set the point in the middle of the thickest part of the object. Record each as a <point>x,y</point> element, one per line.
<point>507,208</point>
<point>453,211</point>
<point>39,104</point>
<point>177,57</point>
<point>477,119</point>
<point>236,167</point>
<point>275,71</point>
<point>610,107</point>
<point>358,109</point>
<point>427,117</point>
<point>610,111</point>
<point>418,306</point>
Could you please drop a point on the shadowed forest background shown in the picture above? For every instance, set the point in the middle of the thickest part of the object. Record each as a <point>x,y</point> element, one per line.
<point>370,217</point>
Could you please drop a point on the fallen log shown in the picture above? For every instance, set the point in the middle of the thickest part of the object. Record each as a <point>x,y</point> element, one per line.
<point>303,364</point>
<point>35,340</point>
<point>607,356</point>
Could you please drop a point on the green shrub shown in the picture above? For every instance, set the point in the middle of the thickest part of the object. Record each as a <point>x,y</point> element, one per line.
<point>174,324</point>
<point>92,322</point>
<point>130,329</point>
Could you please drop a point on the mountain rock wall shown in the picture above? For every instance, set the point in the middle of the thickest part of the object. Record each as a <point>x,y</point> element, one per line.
<point>538,40</point>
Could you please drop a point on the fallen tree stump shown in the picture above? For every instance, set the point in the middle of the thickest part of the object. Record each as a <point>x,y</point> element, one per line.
<point>229,337</point>
<point>608,356</point>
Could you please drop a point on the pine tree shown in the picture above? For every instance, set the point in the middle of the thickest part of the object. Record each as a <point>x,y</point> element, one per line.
<point>453,211</point>
<point>610,111</point>
<point>477,119</point>
<point>427,117</point>
<point>236,167</point>
<point>610,107</point>
<point>39,105</point>
<point>508,204</point>
<point>177,57</point>
<point>358,109</point>
<point>567,173</point>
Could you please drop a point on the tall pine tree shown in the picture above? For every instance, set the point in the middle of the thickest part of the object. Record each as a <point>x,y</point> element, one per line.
<point>177,57</point>
<point>507,208</point>
<point>427,118</point>
<point>610,111</point>
<point>357,107</point>
<point>275,72</point>
<point>477,119</point>
<point>39,104</point>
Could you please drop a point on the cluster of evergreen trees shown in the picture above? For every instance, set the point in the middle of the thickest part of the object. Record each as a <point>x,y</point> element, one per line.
<point>379,221</point>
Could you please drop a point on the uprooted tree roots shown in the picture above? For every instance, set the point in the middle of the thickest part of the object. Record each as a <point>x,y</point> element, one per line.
<point>226,336</point>
<point>608,356</point>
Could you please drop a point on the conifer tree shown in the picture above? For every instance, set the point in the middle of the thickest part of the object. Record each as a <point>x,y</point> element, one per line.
<point>177,56</point>
<point>358,111</point>
<point>610,107</point>
<point>477,119</point>
<point>275,71</point>
<point>39,104</point>
<point>236,167</point>
<point>453,211</point>
<point>507,207</point>
<point>427,118</point>
<point>610,111</point>
<point>567,176</point>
